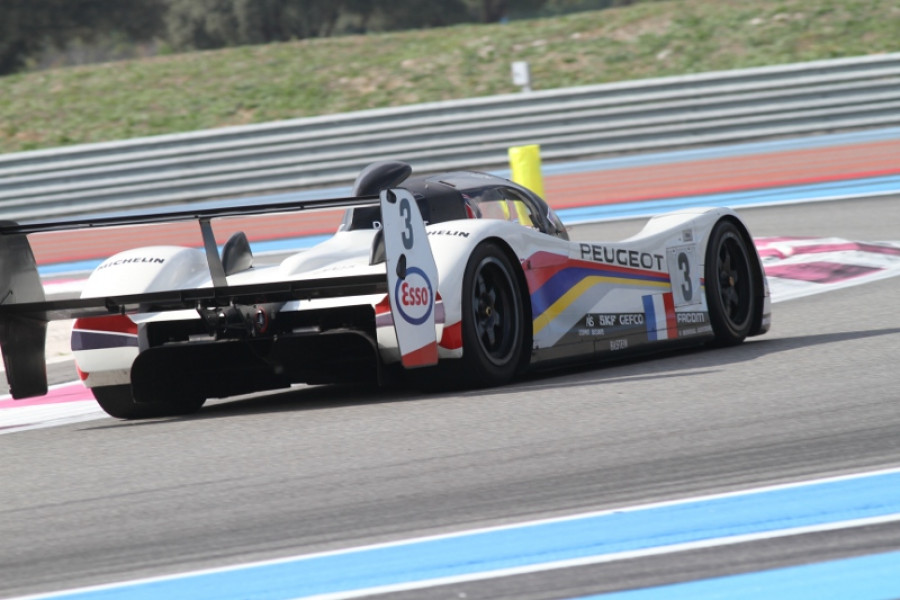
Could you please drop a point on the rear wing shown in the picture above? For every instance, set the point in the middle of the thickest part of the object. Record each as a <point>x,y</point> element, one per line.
<point>25,311</point>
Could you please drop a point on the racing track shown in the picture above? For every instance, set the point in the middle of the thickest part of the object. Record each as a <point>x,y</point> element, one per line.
<point>322,469</point>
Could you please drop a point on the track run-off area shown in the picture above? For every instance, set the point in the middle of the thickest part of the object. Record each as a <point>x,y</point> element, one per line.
<point>771,469</point>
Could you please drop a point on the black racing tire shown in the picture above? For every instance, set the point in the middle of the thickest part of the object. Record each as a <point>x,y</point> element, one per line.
<point>118,401</point>
<point>493,319</point>
<point>731,286</point>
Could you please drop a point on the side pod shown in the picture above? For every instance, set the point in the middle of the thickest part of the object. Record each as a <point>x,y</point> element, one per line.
<point>22,336</point>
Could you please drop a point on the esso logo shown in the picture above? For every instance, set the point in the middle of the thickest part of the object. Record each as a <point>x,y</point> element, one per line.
<point>414,296</point>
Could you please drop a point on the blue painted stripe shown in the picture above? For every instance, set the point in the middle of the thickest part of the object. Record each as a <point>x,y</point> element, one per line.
<point>570,167</point>
<point>572,216</point>
<point>650,318</point>
<point>875,577</point>
<point>530,545</point>
<point>560,283</point>
<point>874,186</point>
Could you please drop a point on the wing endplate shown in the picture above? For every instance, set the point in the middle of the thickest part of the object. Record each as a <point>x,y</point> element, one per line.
<point>412,278</point>
<point>22,336</point>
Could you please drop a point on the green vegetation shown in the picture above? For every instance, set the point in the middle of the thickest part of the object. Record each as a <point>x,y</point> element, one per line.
<point>251,84</point>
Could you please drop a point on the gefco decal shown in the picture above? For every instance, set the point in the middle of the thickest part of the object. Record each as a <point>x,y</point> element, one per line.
<point>133,260</point>
<point>415,296</point>
<point>622,257</point>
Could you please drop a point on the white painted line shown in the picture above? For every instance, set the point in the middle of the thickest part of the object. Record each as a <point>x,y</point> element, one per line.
<point>595,559</point>
<point>605,558</point>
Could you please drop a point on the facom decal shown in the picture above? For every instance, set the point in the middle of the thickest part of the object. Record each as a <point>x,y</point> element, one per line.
<point>690,317</point>
<point>415,296</point>
<point>621,256</point>
<point>692,323</point>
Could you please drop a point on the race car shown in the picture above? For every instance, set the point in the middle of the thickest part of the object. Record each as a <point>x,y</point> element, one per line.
<point>460,278</point>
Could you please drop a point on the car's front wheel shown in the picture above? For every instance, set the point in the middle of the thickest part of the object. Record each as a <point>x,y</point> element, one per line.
<point>731,290</point>
<point>118,401</point>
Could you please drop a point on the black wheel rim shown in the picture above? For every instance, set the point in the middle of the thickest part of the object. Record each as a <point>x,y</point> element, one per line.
<point>735,292</point>
<point>494,311</point>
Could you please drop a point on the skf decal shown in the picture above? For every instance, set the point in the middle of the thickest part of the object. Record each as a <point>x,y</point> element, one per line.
<point>660,317</point>
<point>414,296</point>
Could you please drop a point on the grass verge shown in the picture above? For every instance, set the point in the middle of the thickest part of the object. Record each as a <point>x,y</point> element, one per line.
<point>255,84</point>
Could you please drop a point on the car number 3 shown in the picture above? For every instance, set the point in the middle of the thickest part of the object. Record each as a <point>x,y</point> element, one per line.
<point>682,261</point>
<point>687,288</point>
<point>406,215</point>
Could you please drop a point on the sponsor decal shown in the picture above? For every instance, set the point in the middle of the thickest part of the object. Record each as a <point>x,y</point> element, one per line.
<point>604,320</point>
<point>610,324</point>
<point>619,344</point>
<point>130,261</point>
<point>692,323</point>
<point>622,257</point>
<point>415,296</point>
<point>450,232</point>
<point>591,331</point>
<point>690,317</point>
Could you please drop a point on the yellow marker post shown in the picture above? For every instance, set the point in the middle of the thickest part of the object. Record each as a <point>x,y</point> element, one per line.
<point>525,162</point>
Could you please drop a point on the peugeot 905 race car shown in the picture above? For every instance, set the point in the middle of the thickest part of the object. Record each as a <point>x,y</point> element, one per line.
<point>466,275</point>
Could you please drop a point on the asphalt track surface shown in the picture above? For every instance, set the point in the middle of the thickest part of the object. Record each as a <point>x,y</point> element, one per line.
<point>317,469</point>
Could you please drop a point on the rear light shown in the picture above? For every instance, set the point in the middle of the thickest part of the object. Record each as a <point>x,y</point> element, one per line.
<point>109,324</point>
<point>96,333</point>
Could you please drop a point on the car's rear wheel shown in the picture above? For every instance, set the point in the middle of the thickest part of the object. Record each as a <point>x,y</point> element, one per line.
<point>493,319</point>
<point>730,286</point>
<point>118,401</point>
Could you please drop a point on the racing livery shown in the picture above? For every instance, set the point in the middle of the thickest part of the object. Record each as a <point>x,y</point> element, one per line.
<point>461,278</point>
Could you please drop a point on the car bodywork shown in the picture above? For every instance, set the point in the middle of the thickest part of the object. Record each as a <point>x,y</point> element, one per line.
<point>465,275</point>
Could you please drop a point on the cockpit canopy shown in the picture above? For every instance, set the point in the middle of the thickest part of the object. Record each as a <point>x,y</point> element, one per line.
<point>464,195</point>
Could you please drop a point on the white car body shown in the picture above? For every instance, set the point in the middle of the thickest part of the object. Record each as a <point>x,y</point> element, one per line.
<point>502,295</point>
